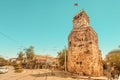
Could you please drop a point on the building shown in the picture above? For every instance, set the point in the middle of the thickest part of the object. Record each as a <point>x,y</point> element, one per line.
<point>41,61</point>
<point>12,60</point>
<point>84,56</point>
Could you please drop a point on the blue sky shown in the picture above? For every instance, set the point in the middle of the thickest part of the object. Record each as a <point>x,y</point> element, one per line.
<point>46,24</point>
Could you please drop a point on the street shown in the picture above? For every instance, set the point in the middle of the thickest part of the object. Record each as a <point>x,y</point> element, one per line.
<point>36,74</point>
<point>42,74</point>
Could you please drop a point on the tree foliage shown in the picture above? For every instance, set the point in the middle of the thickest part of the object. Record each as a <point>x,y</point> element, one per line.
<point>61,56</point>
<point>18,68</point>
<point>3,61</point>
<point>104,64</point>
<point>113,58</point>
<point>30,53</point>
<point>20,55</point>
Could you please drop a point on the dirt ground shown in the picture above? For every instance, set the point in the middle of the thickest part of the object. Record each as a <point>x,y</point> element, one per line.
<point>39,74</point>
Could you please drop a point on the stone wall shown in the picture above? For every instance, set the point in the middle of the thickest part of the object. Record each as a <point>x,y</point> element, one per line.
<point>84,56</point>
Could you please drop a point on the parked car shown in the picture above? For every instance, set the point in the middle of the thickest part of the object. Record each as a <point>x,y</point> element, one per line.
<point>3,69</point>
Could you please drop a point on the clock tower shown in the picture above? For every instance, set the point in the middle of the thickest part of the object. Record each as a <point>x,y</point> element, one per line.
<point>84,55</point>
<point>81,19</point>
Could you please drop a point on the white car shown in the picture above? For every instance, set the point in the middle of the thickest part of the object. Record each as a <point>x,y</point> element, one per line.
<point>3,69</point>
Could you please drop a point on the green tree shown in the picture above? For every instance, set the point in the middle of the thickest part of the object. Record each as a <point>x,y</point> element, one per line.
<point>30,53</point>
<point>61,56</point>
<point>3,62</point>
<point>20,56</point>
<point>18,68</point>
<point>113,58</point>
<point>104,64</point>
<point>113,61</point>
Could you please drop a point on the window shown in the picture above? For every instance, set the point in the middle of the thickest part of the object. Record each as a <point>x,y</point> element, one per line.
<point>90,42</point>
<point>82,39</point>
<point>79,62</point>
<point>70,43</point>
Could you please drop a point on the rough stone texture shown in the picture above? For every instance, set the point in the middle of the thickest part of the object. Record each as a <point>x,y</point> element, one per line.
<point>84,56</point>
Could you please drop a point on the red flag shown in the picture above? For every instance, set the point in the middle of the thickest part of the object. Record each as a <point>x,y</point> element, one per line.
<point>76,4</point>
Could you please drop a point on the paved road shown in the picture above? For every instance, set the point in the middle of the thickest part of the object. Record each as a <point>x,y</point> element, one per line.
<point>39,74</point>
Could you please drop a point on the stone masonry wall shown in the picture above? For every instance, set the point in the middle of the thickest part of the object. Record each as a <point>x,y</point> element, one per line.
<point>84,56</point>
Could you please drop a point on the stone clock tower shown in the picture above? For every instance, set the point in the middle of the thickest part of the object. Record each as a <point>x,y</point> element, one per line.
<point>84,56</point>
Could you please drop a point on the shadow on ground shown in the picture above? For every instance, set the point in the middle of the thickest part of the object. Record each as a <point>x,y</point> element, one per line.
<point>55,73</point>
<point>60,74</point>
<point>63,74</point>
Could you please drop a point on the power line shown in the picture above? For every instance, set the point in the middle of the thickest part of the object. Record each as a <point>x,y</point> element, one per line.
<point>11,39</point>
<point>8,37</point>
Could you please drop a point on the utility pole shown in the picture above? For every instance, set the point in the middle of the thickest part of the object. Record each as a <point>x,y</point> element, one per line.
<point>65,58</point>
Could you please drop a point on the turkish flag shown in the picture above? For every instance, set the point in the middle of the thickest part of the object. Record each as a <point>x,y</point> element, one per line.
<point>76,4</point>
